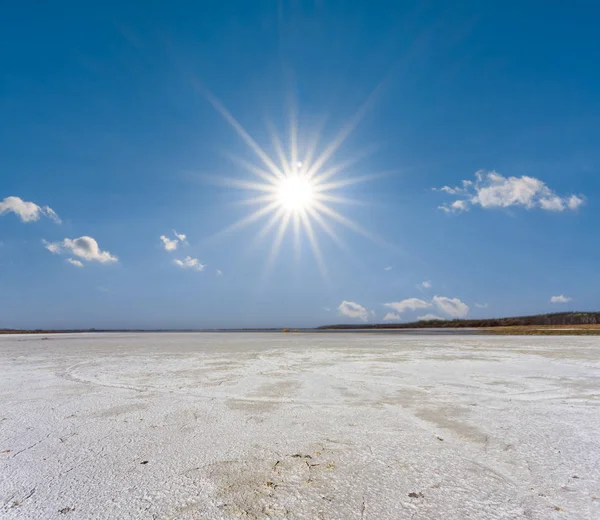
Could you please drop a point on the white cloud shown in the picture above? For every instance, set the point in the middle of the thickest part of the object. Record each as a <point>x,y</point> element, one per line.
<point>53,247</point>
<point>560,299</point>
<point>426,284</point>
<point>457,206</point>
<point>219,272</point>
<point>492,190</point>
<point>190,263</point>
<point>451,306</point>
<point>409,303</point>
<point>574,202</point>
<point>180,236</point>
<point>392,316</point>
<point>451,191</point>
<point>83,247</point>
<point>27,211</point>
<point>353,310</point>
<point>171,244</point>
<point>76,263</point>
<point>388,268</point>
<point>429,317</point>
<point>481,305</point>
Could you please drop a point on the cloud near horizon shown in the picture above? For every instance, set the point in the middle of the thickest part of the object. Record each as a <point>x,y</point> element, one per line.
<point>430,317</point>
<point>493,190</point>
<point>560,299</point>
<point>408,304</point>
<point>392,316</point>
<point>27,211</point>
<point>353,310</point>
<point>453,307</point>
<point>84,247</point>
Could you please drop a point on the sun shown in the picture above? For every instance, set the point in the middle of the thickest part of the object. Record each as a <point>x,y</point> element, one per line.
<point>295,193</point>
<point>297,190</point>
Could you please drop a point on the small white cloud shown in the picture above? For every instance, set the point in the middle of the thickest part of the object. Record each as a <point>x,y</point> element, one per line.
<point>429,317</point>
<point>53,247</point>
<point>451,191</point>
<point>180,236</point>
<point>574,202</point>
<point>84,247</point>
<point>408,304</point>
<point>353,310</point>
<point>492,190</point>
<point>481,305</point>
<point>27,211</point>
<point>388,268</point>
<point>170,245</point>
<point>74,262</point>
<point>426,284</point>
<point>219,272</point>
<point>451,306</point>
<point>457,206</point>
<point>190,263</point>
<point>560,299</point>
<point>327,309</point>
<point>392,316</point>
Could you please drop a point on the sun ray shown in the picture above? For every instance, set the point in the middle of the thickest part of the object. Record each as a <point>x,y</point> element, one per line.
<point>274,252</point>
<point>313,143</point>
<point>343,220</point>
<point>349,182</point>
<point>344,165</point>
<point>327,228</point>
<point>297,193</point>
<point>273,220</point>
<point>314,244</point>
<point>241,131</point>
<point>259,199</point>
<point>253,217</point>
<point>259,172</point>
<point>326,197</point>
<point>343,134</point>
<point>293,136</point>
<point>241,184</point>
<point>278,147</point>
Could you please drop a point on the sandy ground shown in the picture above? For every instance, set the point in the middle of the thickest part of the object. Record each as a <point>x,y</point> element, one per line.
<point>315,426</point>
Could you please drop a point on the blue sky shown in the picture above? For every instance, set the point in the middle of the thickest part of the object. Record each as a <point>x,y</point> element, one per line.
<point>485,120</point>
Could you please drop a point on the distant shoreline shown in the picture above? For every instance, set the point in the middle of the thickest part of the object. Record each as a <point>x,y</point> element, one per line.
<point>496,331</point>
<point>561,323</point>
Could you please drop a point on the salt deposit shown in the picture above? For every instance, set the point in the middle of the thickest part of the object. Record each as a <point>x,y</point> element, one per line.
<point>299,426</point>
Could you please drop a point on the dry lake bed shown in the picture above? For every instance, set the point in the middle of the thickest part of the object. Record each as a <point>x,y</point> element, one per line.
<point>299,426</point>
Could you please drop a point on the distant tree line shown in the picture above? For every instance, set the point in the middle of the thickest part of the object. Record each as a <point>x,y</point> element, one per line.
<point>557,318</point>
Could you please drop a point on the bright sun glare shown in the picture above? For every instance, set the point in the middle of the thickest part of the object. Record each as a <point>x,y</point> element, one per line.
<point>296,190</point>
<point>295,193</point>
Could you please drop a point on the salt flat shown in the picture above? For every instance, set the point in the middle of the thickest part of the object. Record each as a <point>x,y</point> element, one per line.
<point>299,426</point>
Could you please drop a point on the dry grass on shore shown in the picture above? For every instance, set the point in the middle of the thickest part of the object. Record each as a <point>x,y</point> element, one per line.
<point>545,330</point>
